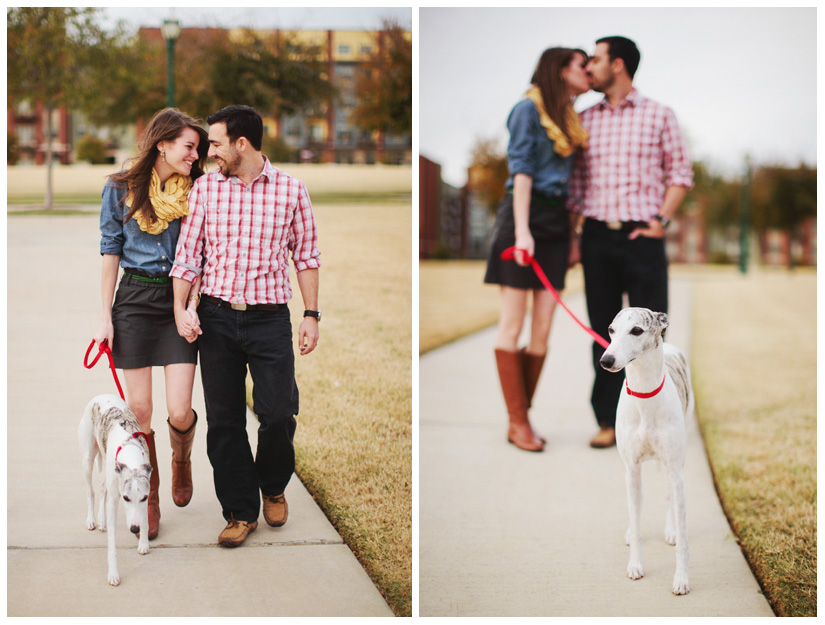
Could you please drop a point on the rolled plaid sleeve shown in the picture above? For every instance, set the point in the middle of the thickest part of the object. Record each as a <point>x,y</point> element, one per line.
<point>111,220</point>
<point>678,166</point>
<point>188,254</point>
<point>303,235</point>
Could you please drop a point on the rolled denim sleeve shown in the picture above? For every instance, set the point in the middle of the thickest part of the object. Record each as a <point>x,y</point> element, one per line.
<point>523,133</point>
<point>112,237</point>
<point>303,236</point>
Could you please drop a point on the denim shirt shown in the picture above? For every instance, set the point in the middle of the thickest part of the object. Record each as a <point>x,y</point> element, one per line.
<point>531,152</point>
<point>143,253</point>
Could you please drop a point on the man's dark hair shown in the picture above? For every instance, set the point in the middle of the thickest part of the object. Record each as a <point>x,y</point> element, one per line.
<point>624,49</point>
<point>241,121</point>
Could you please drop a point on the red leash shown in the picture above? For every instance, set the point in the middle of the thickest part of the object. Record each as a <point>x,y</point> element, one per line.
<point>509,254</point>
<point>104,347</point>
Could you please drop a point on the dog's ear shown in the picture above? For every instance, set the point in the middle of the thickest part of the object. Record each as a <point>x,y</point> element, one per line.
<point>661,318</point>
<point>119,467</point>
<point>148,469</point>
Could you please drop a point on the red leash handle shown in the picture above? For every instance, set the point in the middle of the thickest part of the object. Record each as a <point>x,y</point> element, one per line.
<point>509,254</point>
<point>104,348</point>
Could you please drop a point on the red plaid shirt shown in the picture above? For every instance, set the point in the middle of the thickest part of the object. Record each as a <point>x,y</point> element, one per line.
<point>240,236</point>
<point>634,153</point>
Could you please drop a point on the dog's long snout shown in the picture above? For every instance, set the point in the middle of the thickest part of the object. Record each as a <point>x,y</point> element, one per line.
<point>607,361</point>
<point>135,529</point>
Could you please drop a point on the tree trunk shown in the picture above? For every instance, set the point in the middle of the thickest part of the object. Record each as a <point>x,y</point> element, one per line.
<point>49,157</point>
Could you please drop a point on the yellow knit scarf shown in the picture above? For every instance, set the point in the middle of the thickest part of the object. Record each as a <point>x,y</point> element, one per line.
<point>561,144</point>
<point>169,202</point>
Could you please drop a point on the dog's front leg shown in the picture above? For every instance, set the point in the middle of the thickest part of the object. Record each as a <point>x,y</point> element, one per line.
<point>111,519</point>
<point>670,519</point>
<point>88,467</point>
<point>143,541</point>
<point>681,584</point>
<point>633,477</point>
<point>101,514</point>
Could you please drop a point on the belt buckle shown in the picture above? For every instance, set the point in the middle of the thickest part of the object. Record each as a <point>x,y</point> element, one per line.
<point>614,225</point>
<point>238,306</point>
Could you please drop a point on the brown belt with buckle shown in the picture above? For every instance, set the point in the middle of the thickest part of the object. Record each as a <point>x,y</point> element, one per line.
<point>220,302</point>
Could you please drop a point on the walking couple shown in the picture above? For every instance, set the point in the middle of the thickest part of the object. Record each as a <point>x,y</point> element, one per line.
<point>205,270</point>
<point>598,188</point>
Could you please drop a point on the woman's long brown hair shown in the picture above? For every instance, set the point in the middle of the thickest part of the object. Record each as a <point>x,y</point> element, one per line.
<point>166,125</point>
<point>547,78</point>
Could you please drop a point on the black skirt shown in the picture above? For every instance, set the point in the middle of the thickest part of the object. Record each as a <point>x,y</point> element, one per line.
<point>145,332</point>
<point>550,227</point>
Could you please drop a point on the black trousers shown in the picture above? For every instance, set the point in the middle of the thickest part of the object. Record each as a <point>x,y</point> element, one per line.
<point>231,340</point>
<point>613,266</point>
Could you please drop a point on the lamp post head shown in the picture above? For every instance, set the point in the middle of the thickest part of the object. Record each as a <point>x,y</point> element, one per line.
<point>170,30</point>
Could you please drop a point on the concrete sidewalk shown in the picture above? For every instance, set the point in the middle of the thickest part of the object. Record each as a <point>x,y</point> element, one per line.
<point>504,532</point>
<point>56,567</point>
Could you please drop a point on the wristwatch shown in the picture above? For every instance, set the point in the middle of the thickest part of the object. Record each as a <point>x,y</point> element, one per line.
<point>313,313</point>
<point>662,220</point>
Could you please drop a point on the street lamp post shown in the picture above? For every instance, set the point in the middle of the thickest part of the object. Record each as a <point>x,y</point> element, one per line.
<point>170,31</point>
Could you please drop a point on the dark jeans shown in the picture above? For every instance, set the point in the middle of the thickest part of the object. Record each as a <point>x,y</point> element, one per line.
<point>614,265</point>
<point>231,340</point>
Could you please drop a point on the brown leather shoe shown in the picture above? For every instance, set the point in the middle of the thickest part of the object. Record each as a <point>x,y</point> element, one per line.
<point>181,464</point>
<point>275,510</point>
<point>235,532</point>
<point>605,438</point>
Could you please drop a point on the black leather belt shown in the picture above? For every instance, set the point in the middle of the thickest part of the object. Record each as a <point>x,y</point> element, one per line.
<point>625,226</point>
<point>220,302</point>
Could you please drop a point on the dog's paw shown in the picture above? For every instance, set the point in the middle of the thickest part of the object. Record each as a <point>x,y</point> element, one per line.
<point>681,585</point>
<point>670,537</point>
<point>143,548</point>
<point>635,570</point>
<point>114,579</point>
<point>627,537</point>
<point>90,524</point>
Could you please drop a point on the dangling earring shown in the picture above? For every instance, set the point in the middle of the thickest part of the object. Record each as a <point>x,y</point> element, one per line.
<point>163,156</point>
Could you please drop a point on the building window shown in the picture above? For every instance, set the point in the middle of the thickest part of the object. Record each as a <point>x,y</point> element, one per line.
<point>344,49</point>
<point>366,49</point>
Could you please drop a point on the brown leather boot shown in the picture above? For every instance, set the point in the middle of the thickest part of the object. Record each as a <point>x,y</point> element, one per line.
<point>154,484</point>
<point>181,464</point>
<point>532,364</point>
<point>511,375</point>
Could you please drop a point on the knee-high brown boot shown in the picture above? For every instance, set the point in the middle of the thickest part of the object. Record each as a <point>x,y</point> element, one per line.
<point>511,375</point>
<point>532,366</point>
<point>154,484</point>
<point>181,464</point>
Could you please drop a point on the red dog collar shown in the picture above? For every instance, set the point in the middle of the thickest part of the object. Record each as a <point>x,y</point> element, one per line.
<point>646,395</point>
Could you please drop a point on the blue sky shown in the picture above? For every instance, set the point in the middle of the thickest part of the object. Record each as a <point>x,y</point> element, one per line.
<point>741,80</point>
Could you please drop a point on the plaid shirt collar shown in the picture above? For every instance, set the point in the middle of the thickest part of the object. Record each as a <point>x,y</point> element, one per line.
<point>634,98</point>
<point>268,172</point>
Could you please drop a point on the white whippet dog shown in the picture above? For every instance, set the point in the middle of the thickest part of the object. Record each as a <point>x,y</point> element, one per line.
<point>110,431</point>
<point>650,423</point>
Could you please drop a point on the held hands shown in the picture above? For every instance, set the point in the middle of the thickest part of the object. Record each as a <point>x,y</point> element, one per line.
<point>308,335</point>
<point>188,323</point>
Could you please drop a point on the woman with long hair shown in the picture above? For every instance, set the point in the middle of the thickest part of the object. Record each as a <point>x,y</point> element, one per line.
<point>140,219</point>
<point>544,134</point>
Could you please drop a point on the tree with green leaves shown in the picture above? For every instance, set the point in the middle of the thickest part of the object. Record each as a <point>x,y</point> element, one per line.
<point>384,85</point>
<point>49,53</point>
